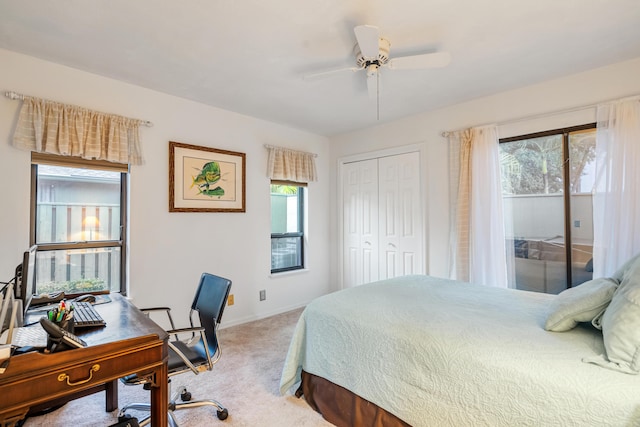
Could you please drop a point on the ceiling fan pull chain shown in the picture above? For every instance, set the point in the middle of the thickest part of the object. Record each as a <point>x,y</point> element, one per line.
<point>378,96</point>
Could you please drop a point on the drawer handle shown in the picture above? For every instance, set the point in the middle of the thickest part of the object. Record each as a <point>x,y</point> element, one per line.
<point>93,369</point>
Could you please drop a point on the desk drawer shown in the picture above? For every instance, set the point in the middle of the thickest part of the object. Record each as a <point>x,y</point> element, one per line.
<point>73,377</point>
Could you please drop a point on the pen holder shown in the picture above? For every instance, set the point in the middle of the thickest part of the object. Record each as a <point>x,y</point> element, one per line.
<point>67,324</point>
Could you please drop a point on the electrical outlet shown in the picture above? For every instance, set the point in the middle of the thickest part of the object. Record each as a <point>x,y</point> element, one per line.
<point>263,295</point>
<point>230,300</point>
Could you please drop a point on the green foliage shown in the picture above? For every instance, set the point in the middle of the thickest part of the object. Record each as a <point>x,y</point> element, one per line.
<point>534,166</point>
<point>284,189</point>
<point>79,286</point>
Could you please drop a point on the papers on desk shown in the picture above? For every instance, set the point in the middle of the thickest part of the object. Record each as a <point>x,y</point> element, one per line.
<point>26,336</point>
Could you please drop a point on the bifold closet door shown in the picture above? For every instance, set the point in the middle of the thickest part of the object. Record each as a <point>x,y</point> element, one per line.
<point>360,222</point>
<point>382,219</point>
<point>399,216</point>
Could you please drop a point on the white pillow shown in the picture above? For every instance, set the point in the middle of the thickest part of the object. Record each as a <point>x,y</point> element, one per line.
<point>621,326</point>
<point>624,268</point>
<point>580,304</point>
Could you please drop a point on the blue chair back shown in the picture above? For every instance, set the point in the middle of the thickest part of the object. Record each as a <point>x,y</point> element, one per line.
<point>210,301</point>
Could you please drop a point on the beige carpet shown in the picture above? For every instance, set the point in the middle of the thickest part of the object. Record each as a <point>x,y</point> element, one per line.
<point>245,380</point>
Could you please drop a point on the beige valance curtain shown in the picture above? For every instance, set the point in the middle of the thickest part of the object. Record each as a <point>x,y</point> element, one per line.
<point>291,165</point>
<point>68,130</point>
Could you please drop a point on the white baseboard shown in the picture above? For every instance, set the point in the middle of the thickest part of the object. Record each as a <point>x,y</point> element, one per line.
<point>261,316</point>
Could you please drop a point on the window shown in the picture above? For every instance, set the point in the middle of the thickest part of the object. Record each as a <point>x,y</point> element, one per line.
<point>547,179</point>
<point>287,236</point>
<point>78,221</point>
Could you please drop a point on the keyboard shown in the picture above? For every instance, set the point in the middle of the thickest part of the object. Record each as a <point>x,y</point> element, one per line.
<point>85,315</point>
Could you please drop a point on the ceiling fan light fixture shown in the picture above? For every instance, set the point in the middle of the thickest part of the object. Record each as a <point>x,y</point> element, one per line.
<point>382,58</point>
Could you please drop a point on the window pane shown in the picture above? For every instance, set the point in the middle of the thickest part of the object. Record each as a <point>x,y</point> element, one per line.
<point>582,157</point>
<point>78,227</point>
<point>532,166</point>
<point>78,270</point>
<point>77,205</point>
<point>286,252</point>
<point>286,228</point>
<point>582,147</point>
<point>285,215</point>
<point>532,183</point>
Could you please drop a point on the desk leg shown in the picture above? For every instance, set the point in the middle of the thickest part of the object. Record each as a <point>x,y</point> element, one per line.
<point>111,391</point>
<point>160,397</point>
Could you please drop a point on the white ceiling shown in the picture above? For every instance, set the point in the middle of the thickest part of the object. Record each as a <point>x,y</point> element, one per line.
<point>249,56</point>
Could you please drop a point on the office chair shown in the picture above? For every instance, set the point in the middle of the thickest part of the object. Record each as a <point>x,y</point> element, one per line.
<point>196,354</point>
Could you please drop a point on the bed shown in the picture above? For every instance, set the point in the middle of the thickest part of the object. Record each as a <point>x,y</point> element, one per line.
<point>424,351</point>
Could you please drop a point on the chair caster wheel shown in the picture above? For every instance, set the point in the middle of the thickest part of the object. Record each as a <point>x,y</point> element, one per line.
<point>185,396</point>
<point>128,419</point>
<point>222,415</point>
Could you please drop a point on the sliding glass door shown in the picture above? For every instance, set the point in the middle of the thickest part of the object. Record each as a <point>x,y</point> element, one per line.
<point>546,183</point>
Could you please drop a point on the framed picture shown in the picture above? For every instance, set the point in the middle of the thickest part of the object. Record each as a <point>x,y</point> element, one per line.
<point>204,179</point>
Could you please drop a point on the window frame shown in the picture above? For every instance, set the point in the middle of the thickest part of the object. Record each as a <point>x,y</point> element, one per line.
<point>301,226</point>
<point>566,192</point>
<point>77,162</point>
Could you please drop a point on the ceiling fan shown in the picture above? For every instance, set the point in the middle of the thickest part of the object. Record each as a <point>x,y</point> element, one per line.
<point>372,53</point>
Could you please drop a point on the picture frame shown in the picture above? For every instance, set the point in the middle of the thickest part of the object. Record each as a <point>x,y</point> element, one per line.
<point>205,179</point>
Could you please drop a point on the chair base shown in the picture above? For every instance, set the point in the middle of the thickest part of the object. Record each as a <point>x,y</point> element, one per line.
<point>174,405</point>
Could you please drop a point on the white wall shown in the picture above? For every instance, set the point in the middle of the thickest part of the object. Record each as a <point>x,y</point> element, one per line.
<point>541,216</point>
<point>520,111</point>
<point>169,251</point>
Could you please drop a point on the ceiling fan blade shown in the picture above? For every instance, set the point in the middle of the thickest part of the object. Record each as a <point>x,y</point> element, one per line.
<point>328,73</point>
<point>416,62</point>
<point>368,40</point>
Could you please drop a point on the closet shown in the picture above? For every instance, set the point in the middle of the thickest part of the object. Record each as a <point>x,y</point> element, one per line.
<point>382,218</point>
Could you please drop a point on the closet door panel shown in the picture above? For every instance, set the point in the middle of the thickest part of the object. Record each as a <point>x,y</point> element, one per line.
<point>360,216</point>
<point>401,215</point>
<point>382,219</point>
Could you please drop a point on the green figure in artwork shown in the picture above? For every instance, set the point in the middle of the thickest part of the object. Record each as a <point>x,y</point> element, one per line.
<point>208,176</point>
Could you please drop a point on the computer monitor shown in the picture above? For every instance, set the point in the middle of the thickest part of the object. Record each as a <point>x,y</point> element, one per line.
<point>26,277</point>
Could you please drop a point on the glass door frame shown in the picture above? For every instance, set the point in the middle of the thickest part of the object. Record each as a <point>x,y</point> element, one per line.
<point>566,173</point>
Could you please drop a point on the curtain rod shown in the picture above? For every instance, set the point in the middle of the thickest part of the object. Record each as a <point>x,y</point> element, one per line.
<point>283,148</point>
<point>13,96</point>
<point>445,134</point>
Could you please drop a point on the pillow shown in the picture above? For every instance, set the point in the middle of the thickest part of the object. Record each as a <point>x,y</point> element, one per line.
<point>621,326</point>
<point>580,304</point>
<point>597,321</point>
<point>622,270</point>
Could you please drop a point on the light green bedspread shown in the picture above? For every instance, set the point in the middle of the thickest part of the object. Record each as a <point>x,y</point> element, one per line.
<point>436,352</point>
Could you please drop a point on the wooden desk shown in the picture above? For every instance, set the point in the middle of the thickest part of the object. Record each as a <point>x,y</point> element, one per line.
<point>129,343</point>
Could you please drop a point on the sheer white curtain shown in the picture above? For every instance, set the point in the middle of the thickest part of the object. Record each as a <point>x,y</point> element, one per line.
<point>477,237</point>
<point>616,198</point>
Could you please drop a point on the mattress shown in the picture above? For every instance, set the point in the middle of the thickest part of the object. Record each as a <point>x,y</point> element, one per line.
<point>439,352</point>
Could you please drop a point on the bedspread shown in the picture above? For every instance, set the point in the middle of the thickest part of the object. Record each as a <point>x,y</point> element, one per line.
<point>437,352</point>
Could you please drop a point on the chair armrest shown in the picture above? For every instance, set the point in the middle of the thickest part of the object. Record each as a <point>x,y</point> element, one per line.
<point>181,330</point>
<point>167,310</point>
<point>144,310</point>
<point>196,332</point>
